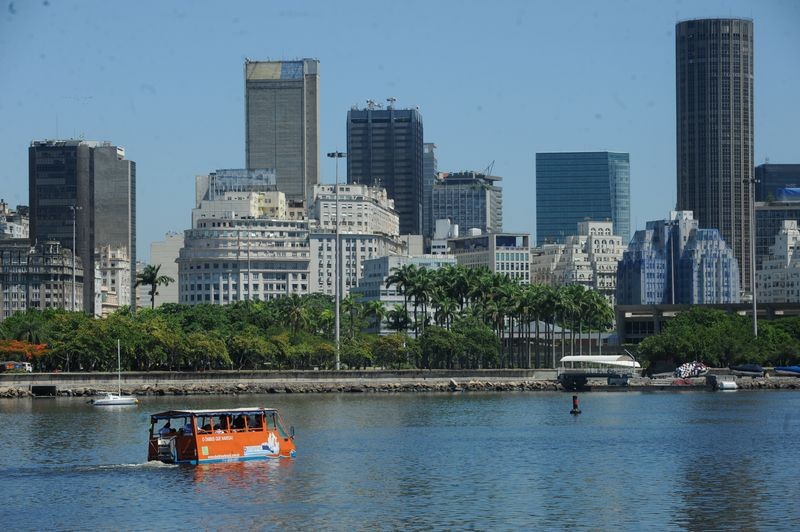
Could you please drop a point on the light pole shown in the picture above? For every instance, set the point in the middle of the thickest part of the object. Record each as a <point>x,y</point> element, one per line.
<point>670,224</point>
<point>74,209</point>
<point>751,207</point>
<point>337,271</point>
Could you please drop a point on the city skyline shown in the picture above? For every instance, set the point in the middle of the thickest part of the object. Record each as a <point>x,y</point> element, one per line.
<point>132,92</point>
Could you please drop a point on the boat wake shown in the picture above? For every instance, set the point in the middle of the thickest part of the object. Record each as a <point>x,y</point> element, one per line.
<point>154,464</point>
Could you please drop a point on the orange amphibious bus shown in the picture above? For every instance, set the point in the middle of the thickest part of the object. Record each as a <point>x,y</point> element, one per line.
<point>229,435</point>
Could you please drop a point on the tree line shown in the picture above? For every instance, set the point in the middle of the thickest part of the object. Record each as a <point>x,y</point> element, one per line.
<point>720,339</point>
<point>452,317</point>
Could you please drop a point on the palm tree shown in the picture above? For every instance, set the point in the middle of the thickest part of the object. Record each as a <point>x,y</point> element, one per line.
<point>398,318</point>
<point>377,310</point>
<point>296,314</point>
<point>150,277</point>
<point>401,277</point>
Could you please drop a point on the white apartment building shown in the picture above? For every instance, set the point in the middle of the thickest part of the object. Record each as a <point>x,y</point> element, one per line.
<point>369,228</point>
<point>13,223</point>
<point>227,260</point>
<point>506,253</point>
<point>588,258</point>
<point>113,267</point>
<point>443,231</point>
<point>778,279</point>
<point>165,253</point>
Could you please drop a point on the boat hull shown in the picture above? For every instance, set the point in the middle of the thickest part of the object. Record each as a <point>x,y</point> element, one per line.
<point>115,400</point>
<point>787,371</point>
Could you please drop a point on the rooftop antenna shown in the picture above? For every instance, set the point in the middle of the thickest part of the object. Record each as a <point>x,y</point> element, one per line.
<point>371,104</point>
<point>391,100</point>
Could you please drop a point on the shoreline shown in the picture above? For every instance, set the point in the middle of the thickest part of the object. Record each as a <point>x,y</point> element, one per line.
<point>364,385</point>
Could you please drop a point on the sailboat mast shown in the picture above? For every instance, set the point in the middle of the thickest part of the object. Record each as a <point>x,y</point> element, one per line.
<point>119,371</point>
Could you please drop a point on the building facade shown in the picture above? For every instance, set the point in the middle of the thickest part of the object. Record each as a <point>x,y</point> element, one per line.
<point>88,186</point>
<point>368,229</point>
<point>227,260</point>
<point>770,216</point>
<point>14,223</point>
<point>770,178</point>
<point>714,87</point>
<point>573,187</point>
<point>113,266</point>
<point>164,253</point>
<point>471,200</point>
<point>430,169</point>
<point>38,277</point>
<point>385,149</point>
<point>282,122</point>
<point>238,193</point>
<point>778,279</point>
<point>505,253</point>
<point>588,258</point>
<point>676,262</point>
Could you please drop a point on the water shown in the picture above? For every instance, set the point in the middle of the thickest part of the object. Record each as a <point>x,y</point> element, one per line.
<point>693,460</point>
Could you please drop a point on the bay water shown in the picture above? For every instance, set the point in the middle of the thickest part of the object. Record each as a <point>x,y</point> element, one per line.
<point>688,460</point>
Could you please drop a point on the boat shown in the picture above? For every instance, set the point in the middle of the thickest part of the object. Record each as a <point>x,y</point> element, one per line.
<point>787,371</point>
<point>747,370</point>
<point>116,399</point>
<point>691,369</point>
<point>223,435</point>
<point>727,385</point>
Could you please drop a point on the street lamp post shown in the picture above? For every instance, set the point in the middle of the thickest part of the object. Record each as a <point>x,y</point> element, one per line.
<point>752,209</point>
<point>337,275</point>
<point>670,224</point>
<point>74,209</point>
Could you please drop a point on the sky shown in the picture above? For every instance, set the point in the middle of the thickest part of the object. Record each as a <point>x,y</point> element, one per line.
<point>496,82</point>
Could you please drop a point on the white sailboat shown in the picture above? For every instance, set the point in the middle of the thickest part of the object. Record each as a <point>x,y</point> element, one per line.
<point>112,399</point>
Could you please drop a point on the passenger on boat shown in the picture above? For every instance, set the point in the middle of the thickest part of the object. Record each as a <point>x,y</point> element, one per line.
<point>257,423</point>
<point>224,424</point>
<point>187,428</point>
<point>165,430</point>
<point>238,423</point>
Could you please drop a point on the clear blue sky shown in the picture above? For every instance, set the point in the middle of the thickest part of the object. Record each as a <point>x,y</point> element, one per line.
<point>495,81</point>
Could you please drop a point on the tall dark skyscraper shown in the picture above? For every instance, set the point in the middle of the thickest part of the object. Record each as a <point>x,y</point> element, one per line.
<point>714,87</point>
<point>575,186</point>
<point>100,184</point>
<point>384,148</point>
<point>282,122</point>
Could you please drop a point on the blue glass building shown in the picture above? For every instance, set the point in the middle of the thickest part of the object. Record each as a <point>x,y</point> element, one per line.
<point>572,187</point>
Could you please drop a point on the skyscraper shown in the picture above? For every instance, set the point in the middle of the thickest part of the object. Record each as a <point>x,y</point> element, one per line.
<point>430,167</point>
<point>714,87</point>
<point>95,184</point>
<point>573,187</point>
<point>472,200</point>
<point>384,149</point>
<point>282,122</point>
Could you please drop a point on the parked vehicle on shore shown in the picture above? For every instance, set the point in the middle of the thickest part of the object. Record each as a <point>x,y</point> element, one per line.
<point>14,365</point>
<point>225,435</point>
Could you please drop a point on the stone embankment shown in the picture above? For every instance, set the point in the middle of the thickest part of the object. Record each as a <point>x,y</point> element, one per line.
<point>311,387</point>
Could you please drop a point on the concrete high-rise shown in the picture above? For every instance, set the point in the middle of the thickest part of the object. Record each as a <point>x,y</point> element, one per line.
<point>471,200</point>
<point>714,88</point>
<point>282,122</point>
<point>573,187</point>
<point>95,184</point>
<point>385,149</point>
